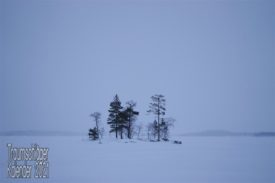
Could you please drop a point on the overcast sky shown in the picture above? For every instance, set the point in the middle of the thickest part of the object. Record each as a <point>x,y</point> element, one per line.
<point>62,60</point>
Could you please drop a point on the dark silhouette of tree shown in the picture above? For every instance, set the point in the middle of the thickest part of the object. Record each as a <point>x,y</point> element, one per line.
<point>122,123</point>
<point>96,117</point>
<point>130,115</point>
<point>115,118</point>
<point>157,107</point>
<point>93,133</point>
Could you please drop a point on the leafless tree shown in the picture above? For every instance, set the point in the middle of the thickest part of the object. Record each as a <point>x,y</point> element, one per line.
<point>138,130</point>
<point>97,117</point>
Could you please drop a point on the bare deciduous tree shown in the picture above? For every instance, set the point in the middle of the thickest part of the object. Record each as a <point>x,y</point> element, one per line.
<point>97,132</point>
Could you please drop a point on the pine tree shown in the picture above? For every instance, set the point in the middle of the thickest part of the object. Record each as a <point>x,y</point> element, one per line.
<point>114,118</point>
<point>157,107</point>
<point>93,133</point>
<point>122,123</point>
<point>130,114</point>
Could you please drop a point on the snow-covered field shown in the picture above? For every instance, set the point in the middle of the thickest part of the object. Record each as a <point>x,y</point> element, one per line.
<point>197,160</point>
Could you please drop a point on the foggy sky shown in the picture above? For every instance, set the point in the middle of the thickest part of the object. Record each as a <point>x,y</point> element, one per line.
<point>62,60</point>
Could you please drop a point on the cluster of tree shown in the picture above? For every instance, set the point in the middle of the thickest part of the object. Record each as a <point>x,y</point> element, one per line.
<point>121,120</point>
<point>160,130</point>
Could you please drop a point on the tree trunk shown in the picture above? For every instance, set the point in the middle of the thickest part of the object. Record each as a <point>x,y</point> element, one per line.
<point>129,129</point>
<point>121,134</point>
<point>158,120</point>
<point>116,130</point>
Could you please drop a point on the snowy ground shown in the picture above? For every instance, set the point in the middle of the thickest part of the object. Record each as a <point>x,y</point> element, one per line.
<point>196,160</point>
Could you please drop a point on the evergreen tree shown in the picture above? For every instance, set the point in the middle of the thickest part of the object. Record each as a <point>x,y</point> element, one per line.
<point>122,123</point>
<point>93,133</point>
<point>157,107</point>
<point>130,115</point>
<point>114,118</point>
